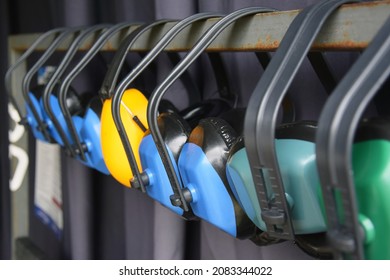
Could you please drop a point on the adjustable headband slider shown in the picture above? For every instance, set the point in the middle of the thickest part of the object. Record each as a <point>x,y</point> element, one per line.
<point>273,216</point>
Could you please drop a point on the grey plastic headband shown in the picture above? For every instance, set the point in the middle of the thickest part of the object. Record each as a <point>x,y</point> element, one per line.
<point>334,140</point>
<point>261,115</point>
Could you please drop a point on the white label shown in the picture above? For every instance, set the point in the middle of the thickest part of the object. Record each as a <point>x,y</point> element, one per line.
<point>48,194</point>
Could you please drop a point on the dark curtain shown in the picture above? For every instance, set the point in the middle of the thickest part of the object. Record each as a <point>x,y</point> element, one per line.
<point>5,234</point>
<point>104,220</point>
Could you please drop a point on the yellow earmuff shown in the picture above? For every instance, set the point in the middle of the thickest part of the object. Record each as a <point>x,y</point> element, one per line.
<point>133,104</point>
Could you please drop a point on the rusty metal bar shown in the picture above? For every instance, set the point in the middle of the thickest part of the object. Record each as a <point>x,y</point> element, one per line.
<point>351,28</point>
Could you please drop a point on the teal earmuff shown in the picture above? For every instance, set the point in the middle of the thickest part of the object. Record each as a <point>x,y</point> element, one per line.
<point>278,194</point>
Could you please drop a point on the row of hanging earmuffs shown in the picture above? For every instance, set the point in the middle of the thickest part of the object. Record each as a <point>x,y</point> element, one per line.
<point>251,178</point>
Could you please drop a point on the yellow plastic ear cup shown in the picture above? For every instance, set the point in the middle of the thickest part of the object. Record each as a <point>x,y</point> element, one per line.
<point>133,104</point>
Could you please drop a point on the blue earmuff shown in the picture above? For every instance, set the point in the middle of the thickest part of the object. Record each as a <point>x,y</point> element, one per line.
<point>34,111</point>
<point>198,188</point>
<point>84,127</point>
<point>50,100</point>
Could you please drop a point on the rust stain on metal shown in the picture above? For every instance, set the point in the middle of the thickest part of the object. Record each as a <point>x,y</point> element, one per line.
<point>365,4</point>
<point>347,45</point>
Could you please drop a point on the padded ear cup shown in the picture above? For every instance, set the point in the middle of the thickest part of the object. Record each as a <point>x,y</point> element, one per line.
<point>202,164</point>
<point>167,106</point>
<point>73,101</point>
<point>89,134</point>
<point>296,156</point>
<point>174,132</point>
<point>133,103</point>
<point>371,165</point>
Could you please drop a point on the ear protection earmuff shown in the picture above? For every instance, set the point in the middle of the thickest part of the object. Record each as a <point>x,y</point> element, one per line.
<point>354,176</point>
<point>34,112</point>
<point>50,100</point>
<point>128,163</point>
<point>85,138</point>
<point>279,196</point>
<point>52,33</point>
<point>133,107</point>
<point>186,197</point>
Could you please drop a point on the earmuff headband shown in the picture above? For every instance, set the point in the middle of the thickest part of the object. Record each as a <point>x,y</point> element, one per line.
<point>7,80</point>
<point>261,115</point>
<point>63,91</point>
<point>55,78</point>
<point>27,78</point>
<point>338,123</point>
<point>206,39</point>
<point>137,70</point>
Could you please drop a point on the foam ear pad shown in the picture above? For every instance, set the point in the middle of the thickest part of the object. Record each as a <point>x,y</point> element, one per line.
<point>174,131</point>
<point>133,103</point>
<point>235,117</point>
<point>215,137</point>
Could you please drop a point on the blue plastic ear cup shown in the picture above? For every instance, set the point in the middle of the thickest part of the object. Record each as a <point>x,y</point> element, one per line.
<point>175,133</point>
<point>202,164</point>
<point>89,130</point>
<point>74,102</point>
<point>296,156</point>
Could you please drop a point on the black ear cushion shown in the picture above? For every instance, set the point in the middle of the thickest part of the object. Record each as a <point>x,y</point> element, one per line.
<point>74,102</point>
<point>236,118</point>
<point>37,91</point>
<point>208,108</point>
<point>167,106</point>
<point>215,136</point>
<point>315,245</point>
<point>96,105</point>
<point>301,130</point>
<point>174,131</point>
<point>373,128</point>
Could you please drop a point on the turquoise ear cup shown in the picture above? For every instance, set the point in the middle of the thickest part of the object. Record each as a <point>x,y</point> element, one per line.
<point>296,156</point>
